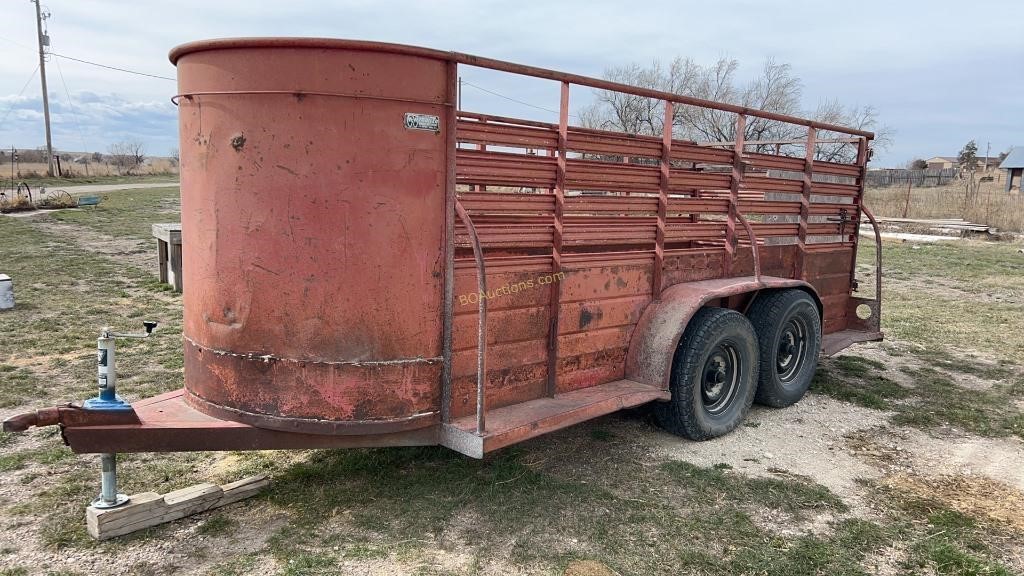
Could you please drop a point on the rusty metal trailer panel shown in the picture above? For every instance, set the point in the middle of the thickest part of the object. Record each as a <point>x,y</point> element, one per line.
<point>368,265</point>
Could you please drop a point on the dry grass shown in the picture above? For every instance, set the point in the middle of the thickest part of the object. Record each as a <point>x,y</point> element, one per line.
<point>15,204</point>
<point>992,205</point>
<point>31,170</point>
<point>978,497</point>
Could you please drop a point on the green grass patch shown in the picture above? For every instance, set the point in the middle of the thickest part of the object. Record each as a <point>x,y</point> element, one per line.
<point>716,483</point>
<point>66,293</point>
<point>59,507</point>
<point>942,359</point>
<point>19,459</point>
<point>940,401</point>
<point>217,525</point>
<point>661,520</point>
<point>18,386</point>
<point>973,267</point>
<point>58,182</point>
<point>940,540</point>
<point>128,213</point>
<point>858,381</point>
<point>933,399</point>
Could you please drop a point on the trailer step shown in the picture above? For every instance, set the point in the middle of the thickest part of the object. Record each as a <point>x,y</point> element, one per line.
<point>835,342</point>
<point>518,422</point>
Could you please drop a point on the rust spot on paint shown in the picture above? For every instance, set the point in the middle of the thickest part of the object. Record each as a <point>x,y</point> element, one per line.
<point>585,317</point>
<point>238,142</point>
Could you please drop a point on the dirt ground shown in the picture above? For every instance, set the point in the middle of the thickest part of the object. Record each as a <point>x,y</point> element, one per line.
<point>906,458</point>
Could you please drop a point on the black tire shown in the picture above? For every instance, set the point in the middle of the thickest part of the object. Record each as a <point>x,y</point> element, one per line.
<point>713,376</point>
<point>788,331</point>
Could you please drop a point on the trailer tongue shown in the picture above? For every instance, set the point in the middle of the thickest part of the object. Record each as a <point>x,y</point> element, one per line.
<point>367,265</point>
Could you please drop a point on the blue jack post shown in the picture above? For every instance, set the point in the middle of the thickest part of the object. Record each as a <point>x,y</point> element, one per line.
<point>108,400</point>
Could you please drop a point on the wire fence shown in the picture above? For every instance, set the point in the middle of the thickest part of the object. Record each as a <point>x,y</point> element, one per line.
<point>919,178</point>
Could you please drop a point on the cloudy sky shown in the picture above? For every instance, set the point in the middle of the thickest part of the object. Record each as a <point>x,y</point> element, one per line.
<point>940,72</point>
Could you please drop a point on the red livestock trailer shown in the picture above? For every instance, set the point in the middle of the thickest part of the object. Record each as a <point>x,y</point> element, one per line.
<point>367,265</point>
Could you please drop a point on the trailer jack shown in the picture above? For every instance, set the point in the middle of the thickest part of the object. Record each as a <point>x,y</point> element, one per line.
<point>107,399</point>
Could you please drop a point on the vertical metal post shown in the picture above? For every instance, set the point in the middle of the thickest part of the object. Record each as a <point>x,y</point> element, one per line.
<point>109,497</point>
<point>481,334</point>
<point>666,165</point>
<point>46,97</point>
<point>449,244</point>
<point>805,202</point>
<point>858,204</point>
<point>734,193</point>
<point>556,248</point>
<point>108,477</point>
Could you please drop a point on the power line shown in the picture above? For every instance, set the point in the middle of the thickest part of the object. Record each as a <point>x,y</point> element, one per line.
<point>112,67</point>
<point>13,104</point>
<point>511,99</point>
<point>19,44</point>
<point>71,106</point>
<point>89,63</point>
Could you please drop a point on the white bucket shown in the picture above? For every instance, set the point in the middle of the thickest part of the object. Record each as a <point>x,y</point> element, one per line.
<point>6,292</point>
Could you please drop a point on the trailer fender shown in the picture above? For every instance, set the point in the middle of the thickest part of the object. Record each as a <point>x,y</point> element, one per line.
<point>655,338</point>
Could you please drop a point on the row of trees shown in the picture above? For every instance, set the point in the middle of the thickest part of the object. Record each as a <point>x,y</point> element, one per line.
<point>776,89</point>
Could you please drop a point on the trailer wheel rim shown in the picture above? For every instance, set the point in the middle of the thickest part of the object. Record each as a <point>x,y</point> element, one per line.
<point>720,378</point>
<point>792,350</point>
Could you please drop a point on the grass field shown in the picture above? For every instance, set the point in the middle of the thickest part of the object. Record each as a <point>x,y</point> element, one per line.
<point>907,457</point>
<point>992,205</point>
<point>34,173</point>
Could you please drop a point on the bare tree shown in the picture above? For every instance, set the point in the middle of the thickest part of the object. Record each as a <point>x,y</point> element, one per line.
<point>127,156</point>
<point>857,117</point>
<point>175,157</point>
<point>775,90</point>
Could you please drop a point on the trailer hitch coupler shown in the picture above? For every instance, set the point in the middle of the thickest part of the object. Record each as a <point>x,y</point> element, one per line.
<point>22,422</point>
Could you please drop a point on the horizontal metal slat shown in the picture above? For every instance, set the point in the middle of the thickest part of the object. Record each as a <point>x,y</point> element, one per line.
<point>822,167</point>
<point>505,135</point>
<point>610,204</point>
<point>578,234</point>
<point>682,179</point>
<point>592,175</point>
<point>764,183</point>
<point>503,169</point>
<point>694,231</point>
<point>613,145</point>
<point>774,229</point>
<point>700,154</point>
<point>698,205</point>
<point>836,189</point>
<point>774,162</point>
<point>488,202</point>
<point>750,206</point>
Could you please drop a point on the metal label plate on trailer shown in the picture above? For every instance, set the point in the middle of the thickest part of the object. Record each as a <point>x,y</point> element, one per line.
<point>422,122</point>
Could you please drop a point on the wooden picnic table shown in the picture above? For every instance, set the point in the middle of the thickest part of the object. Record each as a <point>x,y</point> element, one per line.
<point>168,242</point>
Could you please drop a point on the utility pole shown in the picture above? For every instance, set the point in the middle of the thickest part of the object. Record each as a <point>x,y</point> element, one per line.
<point>43,42</point>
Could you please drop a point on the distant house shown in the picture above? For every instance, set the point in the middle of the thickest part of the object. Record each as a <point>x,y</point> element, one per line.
<point>941,162</point>
<point>1014,166</point>
<point>944,162</point>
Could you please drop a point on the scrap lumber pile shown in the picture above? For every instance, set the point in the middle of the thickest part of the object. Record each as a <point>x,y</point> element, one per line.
<point>946,226</point>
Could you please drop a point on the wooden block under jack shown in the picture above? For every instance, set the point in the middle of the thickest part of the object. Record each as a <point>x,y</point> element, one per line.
<point>149,508</point>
